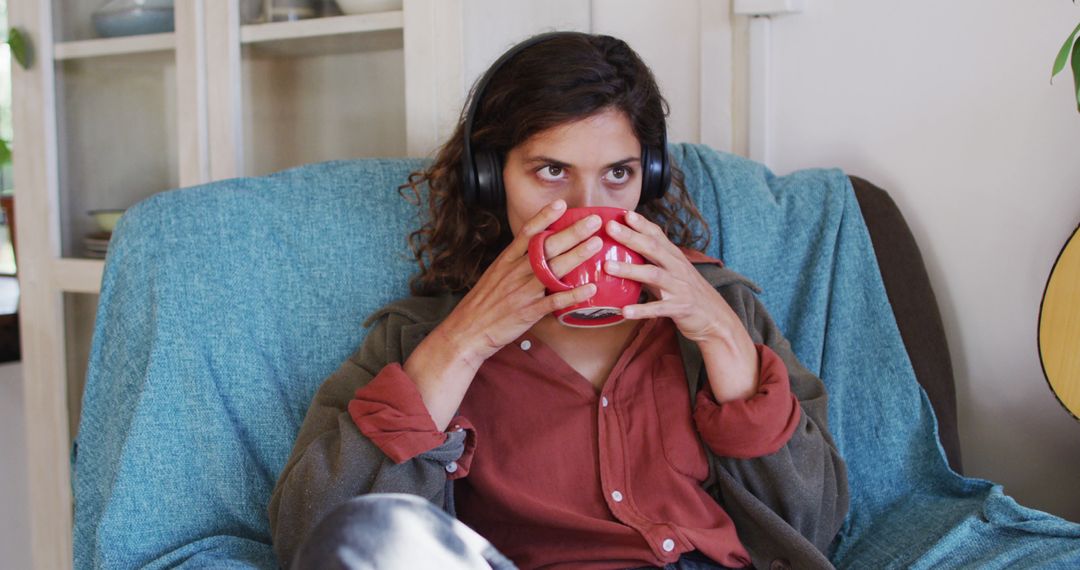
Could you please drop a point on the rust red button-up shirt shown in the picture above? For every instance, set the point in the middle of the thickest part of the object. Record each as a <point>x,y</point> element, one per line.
<point>556,474</point>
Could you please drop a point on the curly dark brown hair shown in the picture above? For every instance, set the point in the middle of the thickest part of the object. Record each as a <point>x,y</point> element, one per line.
<point>560,80</point>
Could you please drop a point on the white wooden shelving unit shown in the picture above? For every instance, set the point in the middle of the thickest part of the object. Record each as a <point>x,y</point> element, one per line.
<point>104,123</point>
<point>114,46</point>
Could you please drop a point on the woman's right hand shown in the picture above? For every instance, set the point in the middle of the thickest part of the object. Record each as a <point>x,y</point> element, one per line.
<point>506,301</point>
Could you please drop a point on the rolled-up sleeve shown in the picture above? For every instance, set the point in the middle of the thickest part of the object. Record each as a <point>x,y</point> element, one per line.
<point>390,412</point>
<point>754,427</point>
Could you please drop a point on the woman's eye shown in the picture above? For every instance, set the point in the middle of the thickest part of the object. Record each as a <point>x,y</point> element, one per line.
<point>618,175</point>
<point>551,173</point>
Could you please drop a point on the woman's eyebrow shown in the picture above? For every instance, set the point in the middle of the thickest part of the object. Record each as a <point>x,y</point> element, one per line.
<point>547,160</point>
<point>561,164</point>
<point>624,161</point>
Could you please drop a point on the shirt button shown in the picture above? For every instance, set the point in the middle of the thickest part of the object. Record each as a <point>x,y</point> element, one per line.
<point>603,401</point>
<point>617,496</point>
<point>526,345</point>
<point>451,467</point>
<point>668,545</point>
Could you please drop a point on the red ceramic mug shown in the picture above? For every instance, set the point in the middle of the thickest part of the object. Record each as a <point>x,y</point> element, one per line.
<point>612,293</point>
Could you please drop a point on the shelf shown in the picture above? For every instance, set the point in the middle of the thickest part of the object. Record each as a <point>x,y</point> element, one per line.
<point>78,275</point>
<point>321,27</point>
<point>114,46</point>
<point>250,34</point>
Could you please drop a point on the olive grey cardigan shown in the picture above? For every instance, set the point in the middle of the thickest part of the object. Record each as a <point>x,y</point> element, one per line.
<point>787,506</point>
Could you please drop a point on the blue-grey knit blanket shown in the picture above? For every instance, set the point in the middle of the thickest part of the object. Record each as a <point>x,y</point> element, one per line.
<point>224,306</point>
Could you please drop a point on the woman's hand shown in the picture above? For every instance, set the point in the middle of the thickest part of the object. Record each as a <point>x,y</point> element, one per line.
<point>506,301</point>
<point>697,309</point>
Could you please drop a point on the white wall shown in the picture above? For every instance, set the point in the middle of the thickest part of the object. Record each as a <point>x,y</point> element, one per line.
<point>948,106</point>
<point>679,40</point>
<point>14,535</point>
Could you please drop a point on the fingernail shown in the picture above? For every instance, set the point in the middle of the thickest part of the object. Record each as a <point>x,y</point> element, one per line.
<point>632,216</point>
<point>614,228</point>
<point>558,205</point>
<point>612,265</point>
<point>594,243</point>
<point>593,222</point>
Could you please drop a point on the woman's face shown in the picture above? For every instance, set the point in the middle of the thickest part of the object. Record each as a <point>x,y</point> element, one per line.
<point>595,161</point>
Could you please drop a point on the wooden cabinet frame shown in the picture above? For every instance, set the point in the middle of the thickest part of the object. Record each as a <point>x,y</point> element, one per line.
<point>207,44</point>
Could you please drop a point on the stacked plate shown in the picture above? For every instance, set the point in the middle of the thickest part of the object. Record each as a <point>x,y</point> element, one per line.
<point>134,17</point>
<point>97,244</point>
<point>365,6</point>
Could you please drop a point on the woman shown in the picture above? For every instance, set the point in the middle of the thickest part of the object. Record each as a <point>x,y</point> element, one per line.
<point>561,446</point>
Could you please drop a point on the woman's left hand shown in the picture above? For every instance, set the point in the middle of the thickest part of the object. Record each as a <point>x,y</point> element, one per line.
<point>698,310</point>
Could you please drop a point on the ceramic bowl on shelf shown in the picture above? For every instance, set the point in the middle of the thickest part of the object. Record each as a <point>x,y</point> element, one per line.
<point>367,6</point>
<point>96,245</point>
<point>292,10</point>
<point>134,17</point>
<point>106,219</point>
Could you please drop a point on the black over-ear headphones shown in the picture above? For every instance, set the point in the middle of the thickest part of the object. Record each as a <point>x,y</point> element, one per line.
<point>482,170</point>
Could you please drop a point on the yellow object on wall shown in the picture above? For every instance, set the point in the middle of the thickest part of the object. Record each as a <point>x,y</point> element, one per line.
<point>1059,327</point>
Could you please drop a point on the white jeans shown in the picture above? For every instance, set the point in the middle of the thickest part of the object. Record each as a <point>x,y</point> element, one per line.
<point>390,531</point>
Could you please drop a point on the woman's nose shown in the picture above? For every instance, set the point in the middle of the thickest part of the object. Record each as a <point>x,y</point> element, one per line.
<point>584,194</point>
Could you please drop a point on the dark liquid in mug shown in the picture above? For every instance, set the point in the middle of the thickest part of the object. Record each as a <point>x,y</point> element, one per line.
<point>595,313</point>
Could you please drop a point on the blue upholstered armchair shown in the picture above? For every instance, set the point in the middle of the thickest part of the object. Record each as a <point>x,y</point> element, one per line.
<point>224,306</point>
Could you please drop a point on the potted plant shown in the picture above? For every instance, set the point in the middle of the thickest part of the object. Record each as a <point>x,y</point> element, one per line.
<point>7,199</point>
<point>22,53</point>
<point>1059,312</point>
<point>1073,47</point>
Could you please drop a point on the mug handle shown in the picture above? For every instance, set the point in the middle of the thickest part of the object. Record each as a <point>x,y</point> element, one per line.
<point>540,265</point>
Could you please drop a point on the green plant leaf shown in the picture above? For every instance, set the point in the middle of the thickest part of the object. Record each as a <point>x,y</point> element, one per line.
<point>5,152</point>
<point>20,47</point>
<point>1063,54</point>
<point>1076,72</point>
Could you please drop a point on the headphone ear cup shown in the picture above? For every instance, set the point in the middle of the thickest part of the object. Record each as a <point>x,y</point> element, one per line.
<point>665,171</point>
<point>655,173</point>
<point>489,183</point>
<point>468,179</point>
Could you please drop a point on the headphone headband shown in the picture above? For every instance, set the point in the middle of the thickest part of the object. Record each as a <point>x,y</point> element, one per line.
<point>482,171</point>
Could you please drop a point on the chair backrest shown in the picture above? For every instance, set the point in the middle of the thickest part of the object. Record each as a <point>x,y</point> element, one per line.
<point>222,308</point>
